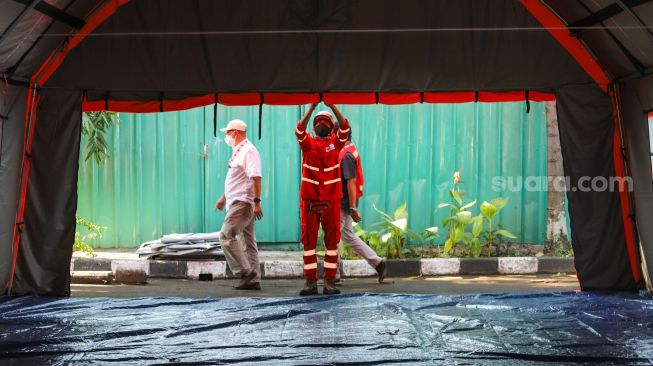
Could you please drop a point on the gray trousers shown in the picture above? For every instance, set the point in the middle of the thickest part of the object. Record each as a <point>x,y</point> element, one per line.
<point>347,236</point>
<point>240,220</point>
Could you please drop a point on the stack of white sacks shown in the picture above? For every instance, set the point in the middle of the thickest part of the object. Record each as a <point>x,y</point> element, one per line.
<point>183,246</point>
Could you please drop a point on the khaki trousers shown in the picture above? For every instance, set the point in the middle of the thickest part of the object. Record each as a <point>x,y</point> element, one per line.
<point>240,220</point>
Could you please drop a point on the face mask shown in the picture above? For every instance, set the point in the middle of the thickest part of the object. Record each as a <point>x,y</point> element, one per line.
<point>322,130</point>
<point>230,140</point>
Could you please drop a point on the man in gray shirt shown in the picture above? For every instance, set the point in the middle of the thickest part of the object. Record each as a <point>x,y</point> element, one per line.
<point>352,189</point>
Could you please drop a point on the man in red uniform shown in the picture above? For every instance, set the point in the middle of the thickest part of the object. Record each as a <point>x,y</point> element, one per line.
<point>320,193</point>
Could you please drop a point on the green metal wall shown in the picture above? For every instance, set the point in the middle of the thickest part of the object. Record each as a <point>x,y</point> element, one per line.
<point>167,169</point>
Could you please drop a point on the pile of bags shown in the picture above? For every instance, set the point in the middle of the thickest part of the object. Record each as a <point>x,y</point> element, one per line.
<point>183,246</point>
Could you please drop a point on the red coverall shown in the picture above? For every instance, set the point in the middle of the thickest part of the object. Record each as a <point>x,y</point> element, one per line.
<point>321,182</point>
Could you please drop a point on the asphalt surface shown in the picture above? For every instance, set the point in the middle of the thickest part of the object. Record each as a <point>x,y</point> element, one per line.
<point>441,285</point>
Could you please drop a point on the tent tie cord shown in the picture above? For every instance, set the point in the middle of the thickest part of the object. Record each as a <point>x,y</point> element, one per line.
<point>106,100</point>
<point>376,97</point>
<point>215,115</point>
<point>528,102</point>
<point>476,95</point>
<point>28,155</point>
<point>421,97</point>
<point>321,97</point>
<point>161,96</point>
<point>260,115</point>
<point>19,226</point>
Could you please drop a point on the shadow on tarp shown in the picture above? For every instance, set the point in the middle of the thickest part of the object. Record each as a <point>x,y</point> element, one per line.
<point>356,329</point>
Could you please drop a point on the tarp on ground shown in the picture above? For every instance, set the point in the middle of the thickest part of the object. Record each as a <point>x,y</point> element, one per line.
<point>356,329</point>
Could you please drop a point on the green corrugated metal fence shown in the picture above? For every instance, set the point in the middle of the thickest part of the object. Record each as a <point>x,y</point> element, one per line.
<point>167,169</point>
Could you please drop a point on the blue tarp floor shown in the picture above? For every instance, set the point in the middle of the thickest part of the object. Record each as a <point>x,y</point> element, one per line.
<point>352,329</point>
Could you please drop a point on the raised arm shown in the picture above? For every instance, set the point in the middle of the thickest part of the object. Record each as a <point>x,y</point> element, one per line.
<point>307,115</point>
<point>300,130</point>
<point>343,127</point>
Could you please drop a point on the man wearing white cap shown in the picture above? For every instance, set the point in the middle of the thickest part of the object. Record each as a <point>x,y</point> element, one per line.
<point>242,198</point>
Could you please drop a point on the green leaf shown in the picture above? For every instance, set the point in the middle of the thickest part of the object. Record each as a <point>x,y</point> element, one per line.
<point>385,215</point>
<point>433,229</point>
<point>402,224</point>
<point>401,212</point>
<point>468,205</point>
<point>446,221</point>
<point>499,202</point>
<point>456,197</point>
<point>458,232</point>
<point>464,217</point>
<point>447,246</point>
<point>488,210</point>
<point>476,247</point>
<point>477,229</point>
<point>505,233</point>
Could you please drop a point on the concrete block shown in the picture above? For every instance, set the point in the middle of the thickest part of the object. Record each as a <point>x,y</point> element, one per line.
<point>555,265</point>
<point>130,265</point>
<point>403,267</point>
<point>168,269</point>
<point>283,269</point>
<point>440,266</point>
<point>357,268</point>
<point>517,265</point>
<point>478,266</point>
<point>91,264</point>
<point>130,271</point>
<point>218,269</point>
<point>91,277</point>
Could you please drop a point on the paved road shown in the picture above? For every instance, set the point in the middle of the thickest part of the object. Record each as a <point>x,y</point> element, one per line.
<point>444,285</point>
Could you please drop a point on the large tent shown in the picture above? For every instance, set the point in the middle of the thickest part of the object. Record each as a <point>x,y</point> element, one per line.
<point>61,57</point>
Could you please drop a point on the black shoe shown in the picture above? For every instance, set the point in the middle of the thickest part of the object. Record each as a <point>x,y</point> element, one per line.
<point>250,286</point>
<point>381,269</point>
<point>310,288</point>
<point>338,281</point>
<point>330,287</point>
<point>245,279</point>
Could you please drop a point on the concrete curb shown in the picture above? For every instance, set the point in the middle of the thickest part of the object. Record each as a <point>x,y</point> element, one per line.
<point>349,268</point>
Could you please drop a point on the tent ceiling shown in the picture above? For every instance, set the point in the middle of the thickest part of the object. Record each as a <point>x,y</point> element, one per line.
<point>624,49</point>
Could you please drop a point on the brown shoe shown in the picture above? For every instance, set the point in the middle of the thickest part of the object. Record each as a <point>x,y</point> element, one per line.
<point>310,288</point>
<point>245,279</point>
<point>381,269</point>
<point>330,287</point>
<point>251,286</point>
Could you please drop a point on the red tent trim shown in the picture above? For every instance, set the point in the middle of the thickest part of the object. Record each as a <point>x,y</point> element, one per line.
<point>623,192</point>
<point>55,59</point>
<point>279,99</point>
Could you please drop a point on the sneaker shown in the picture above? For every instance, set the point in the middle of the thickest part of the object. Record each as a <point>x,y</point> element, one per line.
<point>310,288</point>
<point>330,287</point>
<point>245,279</point>
<point>381,269</point>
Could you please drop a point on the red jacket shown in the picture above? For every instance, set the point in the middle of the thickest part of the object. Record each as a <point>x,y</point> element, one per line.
<point>321,164</point>
<point>350,148</point>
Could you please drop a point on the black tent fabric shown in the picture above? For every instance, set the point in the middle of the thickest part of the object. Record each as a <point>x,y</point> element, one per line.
<point>356,329</point>
<point>146,53</point>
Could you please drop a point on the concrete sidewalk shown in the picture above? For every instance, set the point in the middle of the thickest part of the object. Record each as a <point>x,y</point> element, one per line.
<point>441,285</point>
<point>288,264</point>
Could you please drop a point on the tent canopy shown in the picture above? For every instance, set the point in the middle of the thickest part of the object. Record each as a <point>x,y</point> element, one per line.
<point>61,57</point>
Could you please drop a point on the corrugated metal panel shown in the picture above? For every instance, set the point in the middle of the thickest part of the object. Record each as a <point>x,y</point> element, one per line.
<point>159,181</point>
<point>411,152</point>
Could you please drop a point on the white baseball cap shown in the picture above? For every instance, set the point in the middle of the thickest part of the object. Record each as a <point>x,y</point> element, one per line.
<point>324,114</point>
<point>235,124</point>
